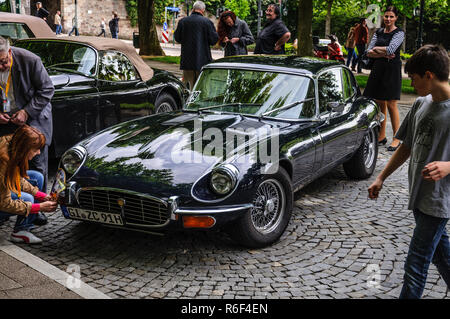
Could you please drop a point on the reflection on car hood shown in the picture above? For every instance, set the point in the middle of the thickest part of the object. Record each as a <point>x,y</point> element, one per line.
<point>160,150</point>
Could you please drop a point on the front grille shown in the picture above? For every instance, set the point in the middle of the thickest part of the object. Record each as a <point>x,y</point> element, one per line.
<point>137,209</point>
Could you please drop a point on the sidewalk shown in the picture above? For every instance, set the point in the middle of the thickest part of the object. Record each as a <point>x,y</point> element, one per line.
<point>25,276</point>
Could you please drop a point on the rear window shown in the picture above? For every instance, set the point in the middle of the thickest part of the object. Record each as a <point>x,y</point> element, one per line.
<point>15,30</point>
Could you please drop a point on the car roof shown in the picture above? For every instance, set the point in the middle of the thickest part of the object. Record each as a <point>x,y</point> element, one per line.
<point>37,25</point>
<point>104,44</point>
<point>304,65</point>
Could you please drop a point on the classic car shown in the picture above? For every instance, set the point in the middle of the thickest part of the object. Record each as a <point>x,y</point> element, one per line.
<point>100,82</point>
<point>22,26</point>
<point>254,130</point>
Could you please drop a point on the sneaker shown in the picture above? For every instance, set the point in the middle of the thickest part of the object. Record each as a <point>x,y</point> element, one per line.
<point>24,236</point>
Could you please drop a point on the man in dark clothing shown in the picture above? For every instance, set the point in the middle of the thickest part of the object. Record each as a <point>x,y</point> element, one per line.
<point>196,34</point>
<point>275,34</point>
<point>41,12</point>
<point>361,39</point>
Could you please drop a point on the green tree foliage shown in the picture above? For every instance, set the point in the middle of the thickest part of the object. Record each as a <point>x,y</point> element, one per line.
<point>240,7</point>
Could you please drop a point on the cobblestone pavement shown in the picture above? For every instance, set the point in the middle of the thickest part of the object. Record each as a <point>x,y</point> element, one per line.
<point>336,238</point>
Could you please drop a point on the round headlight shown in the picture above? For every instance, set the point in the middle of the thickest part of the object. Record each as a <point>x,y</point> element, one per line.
<point>223,179</point>
<point>72,159</point>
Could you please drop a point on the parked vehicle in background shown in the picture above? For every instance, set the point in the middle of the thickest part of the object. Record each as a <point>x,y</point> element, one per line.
<point>21,26</point>
<point>100,82</point>
<point>160,172</point>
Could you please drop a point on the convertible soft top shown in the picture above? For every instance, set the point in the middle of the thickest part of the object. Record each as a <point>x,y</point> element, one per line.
<point>38,26</point>
<point>102,44</point>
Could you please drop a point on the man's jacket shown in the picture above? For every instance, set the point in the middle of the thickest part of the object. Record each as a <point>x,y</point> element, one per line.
<point>33,90</point>
<point>196,34</point>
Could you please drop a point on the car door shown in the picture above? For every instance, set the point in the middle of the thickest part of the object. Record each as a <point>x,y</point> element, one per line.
<point>338,130</point>
<point>123,95</point>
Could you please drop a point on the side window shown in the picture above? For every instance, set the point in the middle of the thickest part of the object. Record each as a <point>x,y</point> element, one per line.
<point>349,88</point>
<point>330,88</point>
<point>15,31</point>
<point>116,67</point>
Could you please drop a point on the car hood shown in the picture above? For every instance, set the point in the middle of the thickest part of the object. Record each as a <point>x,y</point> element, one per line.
<point>162,151</point>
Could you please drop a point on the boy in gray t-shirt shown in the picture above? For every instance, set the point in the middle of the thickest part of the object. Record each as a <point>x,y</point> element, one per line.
<point>425,133</point>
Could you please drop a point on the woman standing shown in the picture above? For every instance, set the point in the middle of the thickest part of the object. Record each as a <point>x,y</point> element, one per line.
<point>17,194</point>
<point>350,44</point>
<point>385,80</point>
<point>234,34</point>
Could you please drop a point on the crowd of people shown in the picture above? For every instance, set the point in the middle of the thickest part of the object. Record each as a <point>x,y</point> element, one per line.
<point>423,137</point>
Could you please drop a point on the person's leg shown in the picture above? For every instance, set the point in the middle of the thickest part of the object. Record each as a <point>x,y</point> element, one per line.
<point>426,237</point>
<point>383,107</point>
<point>40,163</point>
<point>188,78</point>
<point>349,55</point>
<point>22,222</point>
<point>36,179</point>
<point>395,120</point>
<point>441,258</point>
<point>361,49</point>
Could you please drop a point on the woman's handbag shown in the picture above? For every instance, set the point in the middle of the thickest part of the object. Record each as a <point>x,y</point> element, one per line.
<point>366,62</point>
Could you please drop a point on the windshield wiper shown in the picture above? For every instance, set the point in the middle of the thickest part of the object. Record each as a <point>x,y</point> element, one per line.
<point>225,105</point>
<point>284,107</point>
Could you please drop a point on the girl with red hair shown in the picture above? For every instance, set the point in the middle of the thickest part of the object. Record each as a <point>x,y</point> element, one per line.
<point>17,192</point>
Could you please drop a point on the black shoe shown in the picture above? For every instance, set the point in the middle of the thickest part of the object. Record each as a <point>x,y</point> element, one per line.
<point>40,220</point>
<point>383,141</point>
<point>393,148</point>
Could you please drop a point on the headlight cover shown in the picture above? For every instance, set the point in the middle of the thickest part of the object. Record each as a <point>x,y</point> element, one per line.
<point>224,179</point>
<point>72,159</point>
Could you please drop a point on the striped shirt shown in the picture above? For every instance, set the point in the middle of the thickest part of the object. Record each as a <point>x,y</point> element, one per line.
<point>396,41</point>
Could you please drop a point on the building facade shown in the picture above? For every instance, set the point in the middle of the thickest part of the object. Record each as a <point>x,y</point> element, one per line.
<point>89,14</point>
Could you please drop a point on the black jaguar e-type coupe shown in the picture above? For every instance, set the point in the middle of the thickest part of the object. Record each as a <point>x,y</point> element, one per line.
<point>254,130</point>
<point>100,82</point>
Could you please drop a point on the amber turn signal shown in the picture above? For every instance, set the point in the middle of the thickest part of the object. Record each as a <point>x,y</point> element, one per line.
<point>198,221</point>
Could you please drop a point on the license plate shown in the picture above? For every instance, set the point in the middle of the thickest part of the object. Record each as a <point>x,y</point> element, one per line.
<point>99,217</point>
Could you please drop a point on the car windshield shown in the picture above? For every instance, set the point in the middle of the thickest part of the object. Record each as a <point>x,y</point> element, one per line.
<point>65,56</point>
<point>253,93</point>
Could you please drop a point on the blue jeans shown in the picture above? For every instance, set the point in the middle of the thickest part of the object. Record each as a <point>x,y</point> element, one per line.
<point>22,222</point>
<point>58,29</point>
<point>351,55</point>
<point>114,34</point>
<point>429,243</point>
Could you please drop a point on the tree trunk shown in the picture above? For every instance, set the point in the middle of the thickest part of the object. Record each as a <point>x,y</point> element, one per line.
<point>305,15</point>
<point>148,37</point>
<point>328,20</point>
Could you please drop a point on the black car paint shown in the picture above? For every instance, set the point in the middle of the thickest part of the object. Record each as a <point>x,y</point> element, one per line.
<point>307,150</point>
<point>83,105</point>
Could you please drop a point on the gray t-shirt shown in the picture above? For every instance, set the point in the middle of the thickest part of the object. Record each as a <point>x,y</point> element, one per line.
<point>426,131</point>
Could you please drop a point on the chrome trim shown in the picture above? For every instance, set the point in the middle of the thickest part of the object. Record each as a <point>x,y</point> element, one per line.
<point>225,209</point>
<point>122,191</point>
<point>131,193</point>
<point>81,150</point>
<point>222,198</point>
<point>173,202</point>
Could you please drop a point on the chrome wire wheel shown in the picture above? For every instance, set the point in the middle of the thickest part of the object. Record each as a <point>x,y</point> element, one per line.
<point>164,107</point>
<point>268,206</point>
<point>369,148</point>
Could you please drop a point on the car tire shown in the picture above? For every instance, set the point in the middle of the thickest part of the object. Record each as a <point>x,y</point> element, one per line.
<point>363,162</point>
<point>264,224</point>
<point>165,103</point>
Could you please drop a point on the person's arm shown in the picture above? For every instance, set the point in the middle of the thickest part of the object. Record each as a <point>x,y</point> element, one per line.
<point>389,51</point>
<point>213,37</point>
<point>281,41</point>
<point>398,158</point>
<point>43,93</point>
<point>247,36</point>
<point>435,171</point>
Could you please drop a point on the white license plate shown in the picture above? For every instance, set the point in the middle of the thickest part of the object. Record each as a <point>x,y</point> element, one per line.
<point>99,217</point>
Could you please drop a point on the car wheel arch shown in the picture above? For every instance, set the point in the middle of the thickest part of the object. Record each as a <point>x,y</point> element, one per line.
<point>173,92</point>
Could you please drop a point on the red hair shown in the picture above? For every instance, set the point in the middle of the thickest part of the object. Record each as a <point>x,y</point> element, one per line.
<point>24,140</point>
<point>222,28</point>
